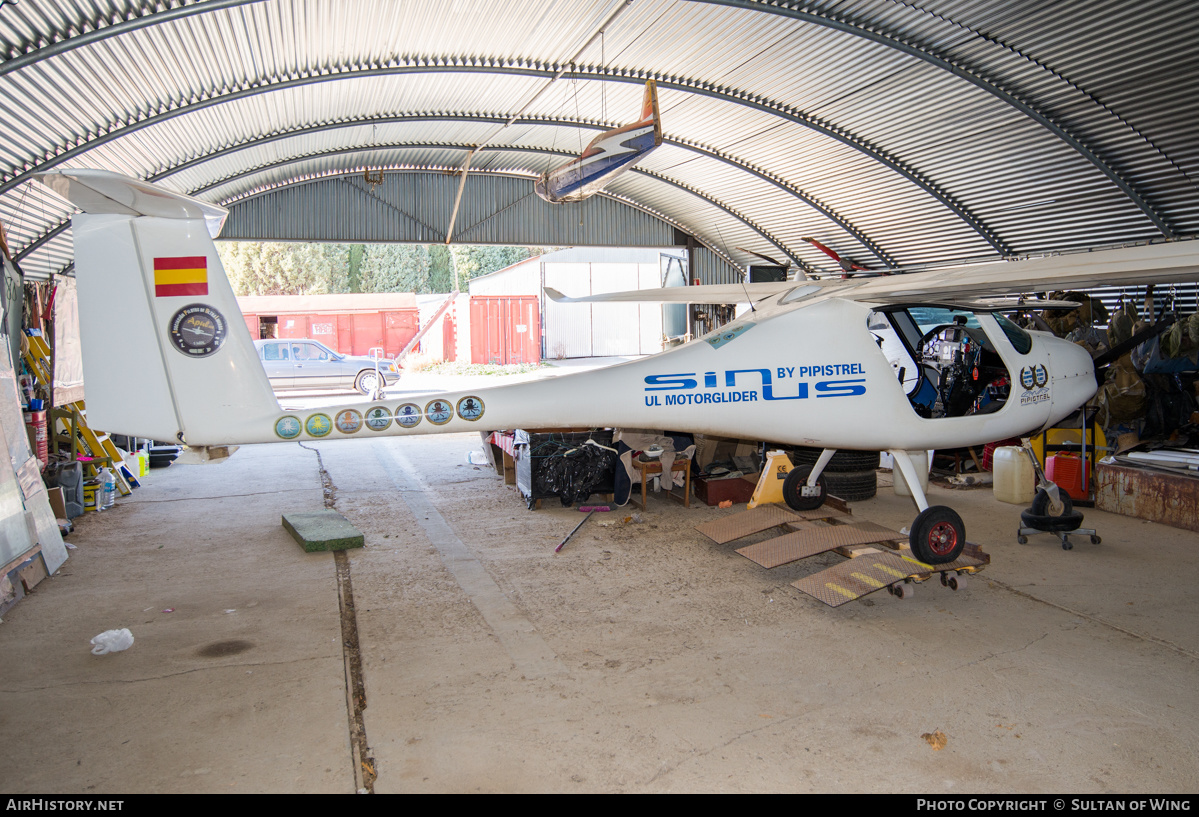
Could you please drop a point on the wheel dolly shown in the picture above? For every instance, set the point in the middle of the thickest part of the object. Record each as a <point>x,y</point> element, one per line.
<point>1051,511</point>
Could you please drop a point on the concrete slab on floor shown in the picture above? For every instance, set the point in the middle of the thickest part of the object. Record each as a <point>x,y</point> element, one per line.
<point>235,681</point>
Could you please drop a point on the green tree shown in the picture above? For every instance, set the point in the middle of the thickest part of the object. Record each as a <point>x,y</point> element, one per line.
<point>395,268</point>
<point>357,251</point>
<point>473,260</point>
<point>441,268</point>
<point>285,268</point>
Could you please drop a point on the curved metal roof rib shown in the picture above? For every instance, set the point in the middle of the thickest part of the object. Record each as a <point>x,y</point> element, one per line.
<point>899,134</point>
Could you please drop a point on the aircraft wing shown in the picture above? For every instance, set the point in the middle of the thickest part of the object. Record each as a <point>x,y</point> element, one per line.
<point>708,294</point>
<point>1170,262</point>
<point>970,286</point>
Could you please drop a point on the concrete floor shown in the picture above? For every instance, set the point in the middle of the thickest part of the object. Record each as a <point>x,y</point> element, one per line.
<point>642,658</point>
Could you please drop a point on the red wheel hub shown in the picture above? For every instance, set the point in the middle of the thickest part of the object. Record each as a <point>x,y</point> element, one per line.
<point>943,538</point>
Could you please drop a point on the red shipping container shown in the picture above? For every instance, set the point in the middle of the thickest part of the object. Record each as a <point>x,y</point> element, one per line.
<point>505,329</point>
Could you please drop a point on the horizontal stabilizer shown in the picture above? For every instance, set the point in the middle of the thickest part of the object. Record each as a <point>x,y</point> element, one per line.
<point>104,192</point>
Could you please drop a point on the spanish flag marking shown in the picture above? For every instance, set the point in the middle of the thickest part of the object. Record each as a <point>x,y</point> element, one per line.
<point>186,275</point>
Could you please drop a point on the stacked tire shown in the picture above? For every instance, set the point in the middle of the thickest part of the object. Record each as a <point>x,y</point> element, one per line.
<point>850,475</point>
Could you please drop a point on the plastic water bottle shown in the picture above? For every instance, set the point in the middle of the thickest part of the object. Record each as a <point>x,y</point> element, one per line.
<point>108,484</point>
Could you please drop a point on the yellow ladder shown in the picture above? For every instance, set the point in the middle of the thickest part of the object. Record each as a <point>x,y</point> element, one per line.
<point>74,419</point>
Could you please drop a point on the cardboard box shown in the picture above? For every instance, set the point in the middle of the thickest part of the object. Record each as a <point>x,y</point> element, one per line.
<point>32,572</point>
<point>58,502</point>
<point>715,491</point>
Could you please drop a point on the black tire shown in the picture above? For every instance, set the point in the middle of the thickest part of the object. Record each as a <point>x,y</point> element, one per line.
<point>938,535</point>
<point>795,499</point>
<point>852,487</point>
<point>364,382</point>
<point>1051,524</point>
<point>843,461</point>
<point>1042,502</point>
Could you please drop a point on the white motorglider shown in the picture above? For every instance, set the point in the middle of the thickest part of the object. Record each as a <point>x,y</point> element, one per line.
<point>904,363</point>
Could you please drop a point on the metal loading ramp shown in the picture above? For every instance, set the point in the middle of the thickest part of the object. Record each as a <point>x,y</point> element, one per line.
<point>871,571</point>
<point>867,569</point>
<point>810,540</point>
<point>764,517</point>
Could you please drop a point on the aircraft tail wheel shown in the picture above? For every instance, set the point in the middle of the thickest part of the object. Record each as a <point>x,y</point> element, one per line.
<point>797,494</point>
<point>938,535</point>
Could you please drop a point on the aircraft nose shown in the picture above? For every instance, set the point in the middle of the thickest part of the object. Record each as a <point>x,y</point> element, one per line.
<point>1073,374</point>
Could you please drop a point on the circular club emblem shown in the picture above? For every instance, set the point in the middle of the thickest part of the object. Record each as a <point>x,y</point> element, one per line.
<point>378,418</point>
<point>408,415</point>
<point>348,421</point>
<point>470,408</point>
<point>198,330</point>
<point>318,425</point>
<point>1034,377</point>
<point>439,412</point>
<point>288,427</point>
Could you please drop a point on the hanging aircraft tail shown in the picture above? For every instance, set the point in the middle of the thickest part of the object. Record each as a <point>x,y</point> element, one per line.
<point>155,305</point>
<point>606,157</point>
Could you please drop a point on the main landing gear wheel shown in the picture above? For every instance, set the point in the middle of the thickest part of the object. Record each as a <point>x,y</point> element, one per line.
<point>938,535</point>
<point>797,494</point>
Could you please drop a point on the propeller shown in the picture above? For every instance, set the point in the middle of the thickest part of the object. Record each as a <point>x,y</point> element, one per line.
<point>768,259</point>
<point>848,267</point>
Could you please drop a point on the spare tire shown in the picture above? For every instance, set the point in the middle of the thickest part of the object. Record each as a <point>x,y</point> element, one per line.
<point>852,487</point>
<point>843,461</point>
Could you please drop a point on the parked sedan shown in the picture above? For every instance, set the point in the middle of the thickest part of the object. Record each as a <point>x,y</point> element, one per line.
<point>308,364</point>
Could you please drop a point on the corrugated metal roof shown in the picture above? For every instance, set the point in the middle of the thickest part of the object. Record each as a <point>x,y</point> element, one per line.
<point>898,134</point>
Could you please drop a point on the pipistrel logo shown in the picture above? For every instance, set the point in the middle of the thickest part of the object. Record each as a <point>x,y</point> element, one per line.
<point>1034,377</point>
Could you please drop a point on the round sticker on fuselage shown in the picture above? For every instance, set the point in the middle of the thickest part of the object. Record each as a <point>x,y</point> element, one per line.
<point>318,425</point>
<point>348,421</point>
<point>439,412</point>
<point>408,415</point>
<point>470,408</point>
<point>197,330</point>
<point>378,418</point>
<point>288,427</point>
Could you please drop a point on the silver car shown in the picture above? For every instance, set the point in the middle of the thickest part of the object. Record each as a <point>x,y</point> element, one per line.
<point>299,363</point>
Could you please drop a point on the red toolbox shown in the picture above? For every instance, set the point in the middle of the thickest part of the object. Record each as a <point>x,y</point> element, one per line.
<point>715,491</point>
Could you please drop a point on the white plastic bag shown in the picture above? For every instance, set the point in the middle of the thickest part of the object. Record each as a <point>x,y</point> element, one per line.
<point>112,641</point>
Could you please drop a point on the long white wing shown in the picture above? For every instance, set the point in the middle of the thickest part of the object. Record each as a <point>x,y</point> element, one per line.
<point>1170,262</point>
<point>708,294</point>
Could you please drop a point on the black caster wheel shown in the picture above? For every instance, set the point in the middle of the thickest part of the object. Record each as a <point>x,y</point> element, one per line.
<point>1095,540</point>
<point>1022,540</point>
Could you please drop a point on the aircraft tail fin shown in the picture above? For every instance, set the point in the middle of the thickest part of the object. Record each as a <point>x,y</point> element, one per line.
<point>649,109</point>
<point>159,323</point>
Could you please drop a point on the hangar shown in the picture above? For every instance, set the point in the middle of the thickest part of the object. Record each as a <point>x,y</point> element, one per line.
<point>902,136</point>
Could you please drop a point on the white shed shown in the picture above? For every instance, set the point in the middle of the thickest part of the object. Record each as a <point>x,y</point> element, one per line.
<point>596,330</point>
